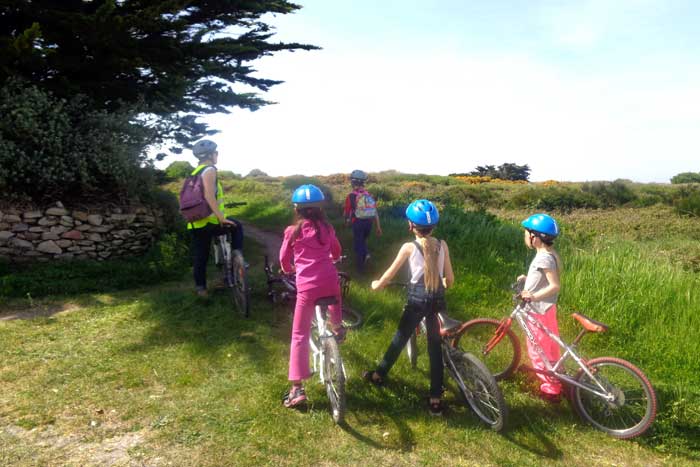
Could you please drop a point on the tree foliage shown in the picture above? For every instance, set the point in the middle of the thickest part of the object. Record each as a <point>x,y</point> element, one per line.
<point>53,147</point>
<point>178,169</point>
<point>507,171</point>
<point>172,59</point>
<point>686,177</point>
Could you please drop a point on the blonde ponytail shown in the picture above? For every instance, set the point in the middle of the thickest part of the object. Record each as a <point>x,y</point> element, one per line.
<point>431,274</point>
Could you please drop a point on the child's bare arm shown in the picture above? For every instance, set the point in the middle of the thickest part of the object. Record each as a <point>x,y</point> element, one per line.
<point>551,289</point>
<point>389,274</point>
<point>449,273</point>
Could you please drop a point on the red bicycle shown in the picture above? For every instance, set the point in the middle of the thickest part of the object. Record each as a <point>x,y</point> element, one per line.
<point>611,394</point>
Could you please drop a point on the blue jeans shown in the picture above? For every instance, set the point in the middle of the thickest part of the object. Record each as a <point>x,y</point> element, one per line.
<point>361,228</point>
<point>201,245</point>
<point>419,305</point>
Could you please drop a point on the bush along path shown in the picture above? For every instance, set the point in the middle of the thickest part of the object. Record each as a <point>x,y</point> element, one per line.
<point>154,376</point>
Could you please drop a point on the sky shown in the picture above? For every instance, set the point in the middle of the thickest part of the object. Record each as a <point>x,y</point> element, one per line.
<point>578,90</point>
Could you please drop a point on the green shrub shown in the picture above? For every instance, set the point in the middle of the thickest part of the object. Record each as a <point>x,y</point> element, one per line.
<point>52,148</point>
<point>686,177</point>
<point>687,203</point>
<point>179,169</point>
<point>610,194</point>
<point>553,198</point>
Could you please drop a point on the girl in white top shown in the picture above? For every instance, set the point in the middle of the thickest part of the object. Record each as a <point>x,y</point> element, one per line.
<point>431,273</point>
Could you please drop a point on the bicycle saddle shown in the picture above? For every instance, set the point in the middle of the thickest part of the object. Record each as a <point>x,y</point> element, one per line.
<point>447,323</point>
<point>589,324</point>
<point>325,301</point>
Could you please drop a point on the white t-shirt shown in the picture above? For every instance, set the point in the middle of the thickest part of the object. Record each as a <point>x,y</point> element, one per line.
<point>537,280</point>
<point>416,263</point>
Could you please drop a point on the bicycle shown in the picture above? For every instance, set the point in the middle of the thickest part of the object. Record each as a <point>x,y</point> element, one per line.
<point>326,359</point>
<point>475,382</point>
<point>281,288</point>
<point>609,393</point>
<point>234,268</point>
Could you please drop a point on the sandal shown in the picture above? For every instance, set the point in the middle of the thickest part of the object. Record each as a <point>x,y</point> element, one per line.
<point>436,408</point>
<point>295,397</point>
<point>370,378</point>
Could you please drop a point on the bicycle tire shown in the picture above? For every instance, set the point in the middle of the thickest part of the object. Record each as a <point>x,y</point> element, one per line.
<point>240,289</point>
<point>479,388</point>
<point>334,377</point>
<point>634,408</point>
<point>352,318</point>
<point>503,359</point>
<point>412,349</point>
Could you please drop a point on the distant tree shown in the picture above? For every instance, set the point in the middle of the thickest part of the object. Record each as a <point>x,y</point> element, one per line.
<point>507,171</point>
<point>178,169</point>
<point>686,177</point>
<point>256,173</point>
<point>173,60</point>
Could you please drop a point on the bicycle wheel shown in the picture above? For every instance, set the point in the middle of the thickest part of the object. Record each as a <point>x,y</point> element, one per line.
<point>351,317</point>
<point>633,409</point>
<point>503,358</point>
<point>478,387</point>
<point>334,377</point>
<point>240,289</point>
<point>412,349</point>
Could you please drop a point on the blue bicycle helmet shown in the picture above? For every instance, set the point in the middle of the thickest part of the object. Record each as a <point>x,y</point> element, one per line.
<point>543,224</point>
<point>423,212</point>
<point>308,196</point>
<point>203,148</point>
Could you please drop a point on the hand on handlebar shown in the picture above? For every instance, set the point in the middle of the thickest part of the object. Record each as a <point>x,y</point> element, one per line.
<point>526,296</point>
<point>226,222</point>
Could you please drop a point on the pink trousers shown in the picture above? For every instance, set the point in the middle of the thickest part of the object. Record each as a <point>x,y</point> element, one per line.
<point>304,312</point>
<point>550,348</point>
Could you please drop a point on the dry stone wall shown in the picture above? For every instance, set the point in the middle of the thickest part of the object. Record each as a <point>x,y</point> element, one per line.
<point>100,232</point>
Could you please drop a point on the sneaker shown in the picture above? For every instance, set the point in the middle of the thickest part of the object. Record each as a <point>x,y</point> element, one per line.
<point>295,397</point>
<point>436,408</point>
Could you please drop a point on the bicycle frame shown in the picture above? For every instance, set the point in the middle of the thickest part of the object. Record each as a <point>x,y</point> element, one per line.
<point>523,316</point>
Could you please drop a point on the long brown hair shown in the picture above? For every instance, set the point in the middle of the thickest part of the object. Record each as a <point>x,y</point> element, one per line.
<point>431,256</point>
<point>313,214</point>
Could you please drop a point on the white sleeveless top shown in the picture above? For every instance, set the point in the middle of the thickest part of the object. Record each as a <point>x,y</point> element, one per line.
<point>416,263</point>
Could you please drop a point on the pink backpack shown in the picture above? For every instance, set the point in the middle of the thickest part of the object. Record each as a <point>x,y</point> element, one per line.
<point>193,205</point>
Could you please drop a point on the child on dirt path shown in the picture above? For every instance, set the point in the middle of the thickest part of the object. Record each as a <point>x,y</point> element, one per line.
<point>541,290</point>
<point>308,249</point>
<point>431,273</point>
<point>360,212</point>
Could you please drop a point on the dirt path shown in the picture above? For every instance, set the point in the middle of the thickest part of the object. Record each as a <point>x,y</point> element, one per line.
<point>271,240</point>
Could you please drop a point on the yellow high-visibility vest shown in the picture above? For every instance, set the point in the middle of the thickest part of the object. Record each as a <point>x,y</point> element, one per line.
<point>211,219</point>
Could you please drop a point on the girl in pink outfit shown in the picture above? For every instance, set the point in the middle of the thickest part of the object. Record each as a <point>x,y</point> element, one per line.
<point>308,249</point>
<point>541,290</point>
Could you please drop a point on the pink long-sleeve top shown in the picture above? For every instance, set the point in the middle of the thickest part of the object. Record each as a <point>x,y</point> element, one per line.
<point>313,259</point>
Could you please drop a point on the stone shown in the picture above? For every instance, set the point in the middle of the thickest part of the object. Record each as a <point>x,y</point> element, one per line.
<point>31,236</point>
<point>95,237</point>
<point>66,224</point>
<point>60,204</point>
<point>5,235</point>
<point>20,227</point>
<point>5,251</point>
<point>104,254</point>
<point>136,248</point>
<point>148,219</point>
<point>65,256</point>
<point>56,211</point>
<point>77,222</point>
<point>50,247</point>
<point>117,242</point>
<point>95,219</point>
<point>122,218</point>
<point>11,218</point>
<point>73,235</point>
<point>92,254</point>
<point>50,236</point>
<point>48,221</point>
<point>80,215</point>
<point>123,233</point>
<point>31,253</point>
<point>64,243</point>
<point>117,210</point>
<point>32,215</point>
<point>85,243</point>
<point>19,243</point>
<point>101,229</point>
<point>83,228</point>
<point>73,249</point>
<point>37,229</point>
<point>67,219</point>
<point>4,226</point>
<point>58,229</point>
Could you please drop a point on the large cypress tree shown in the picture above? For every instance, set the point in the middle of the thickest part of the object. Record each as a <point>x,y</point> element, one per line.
<point>169,59</point>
